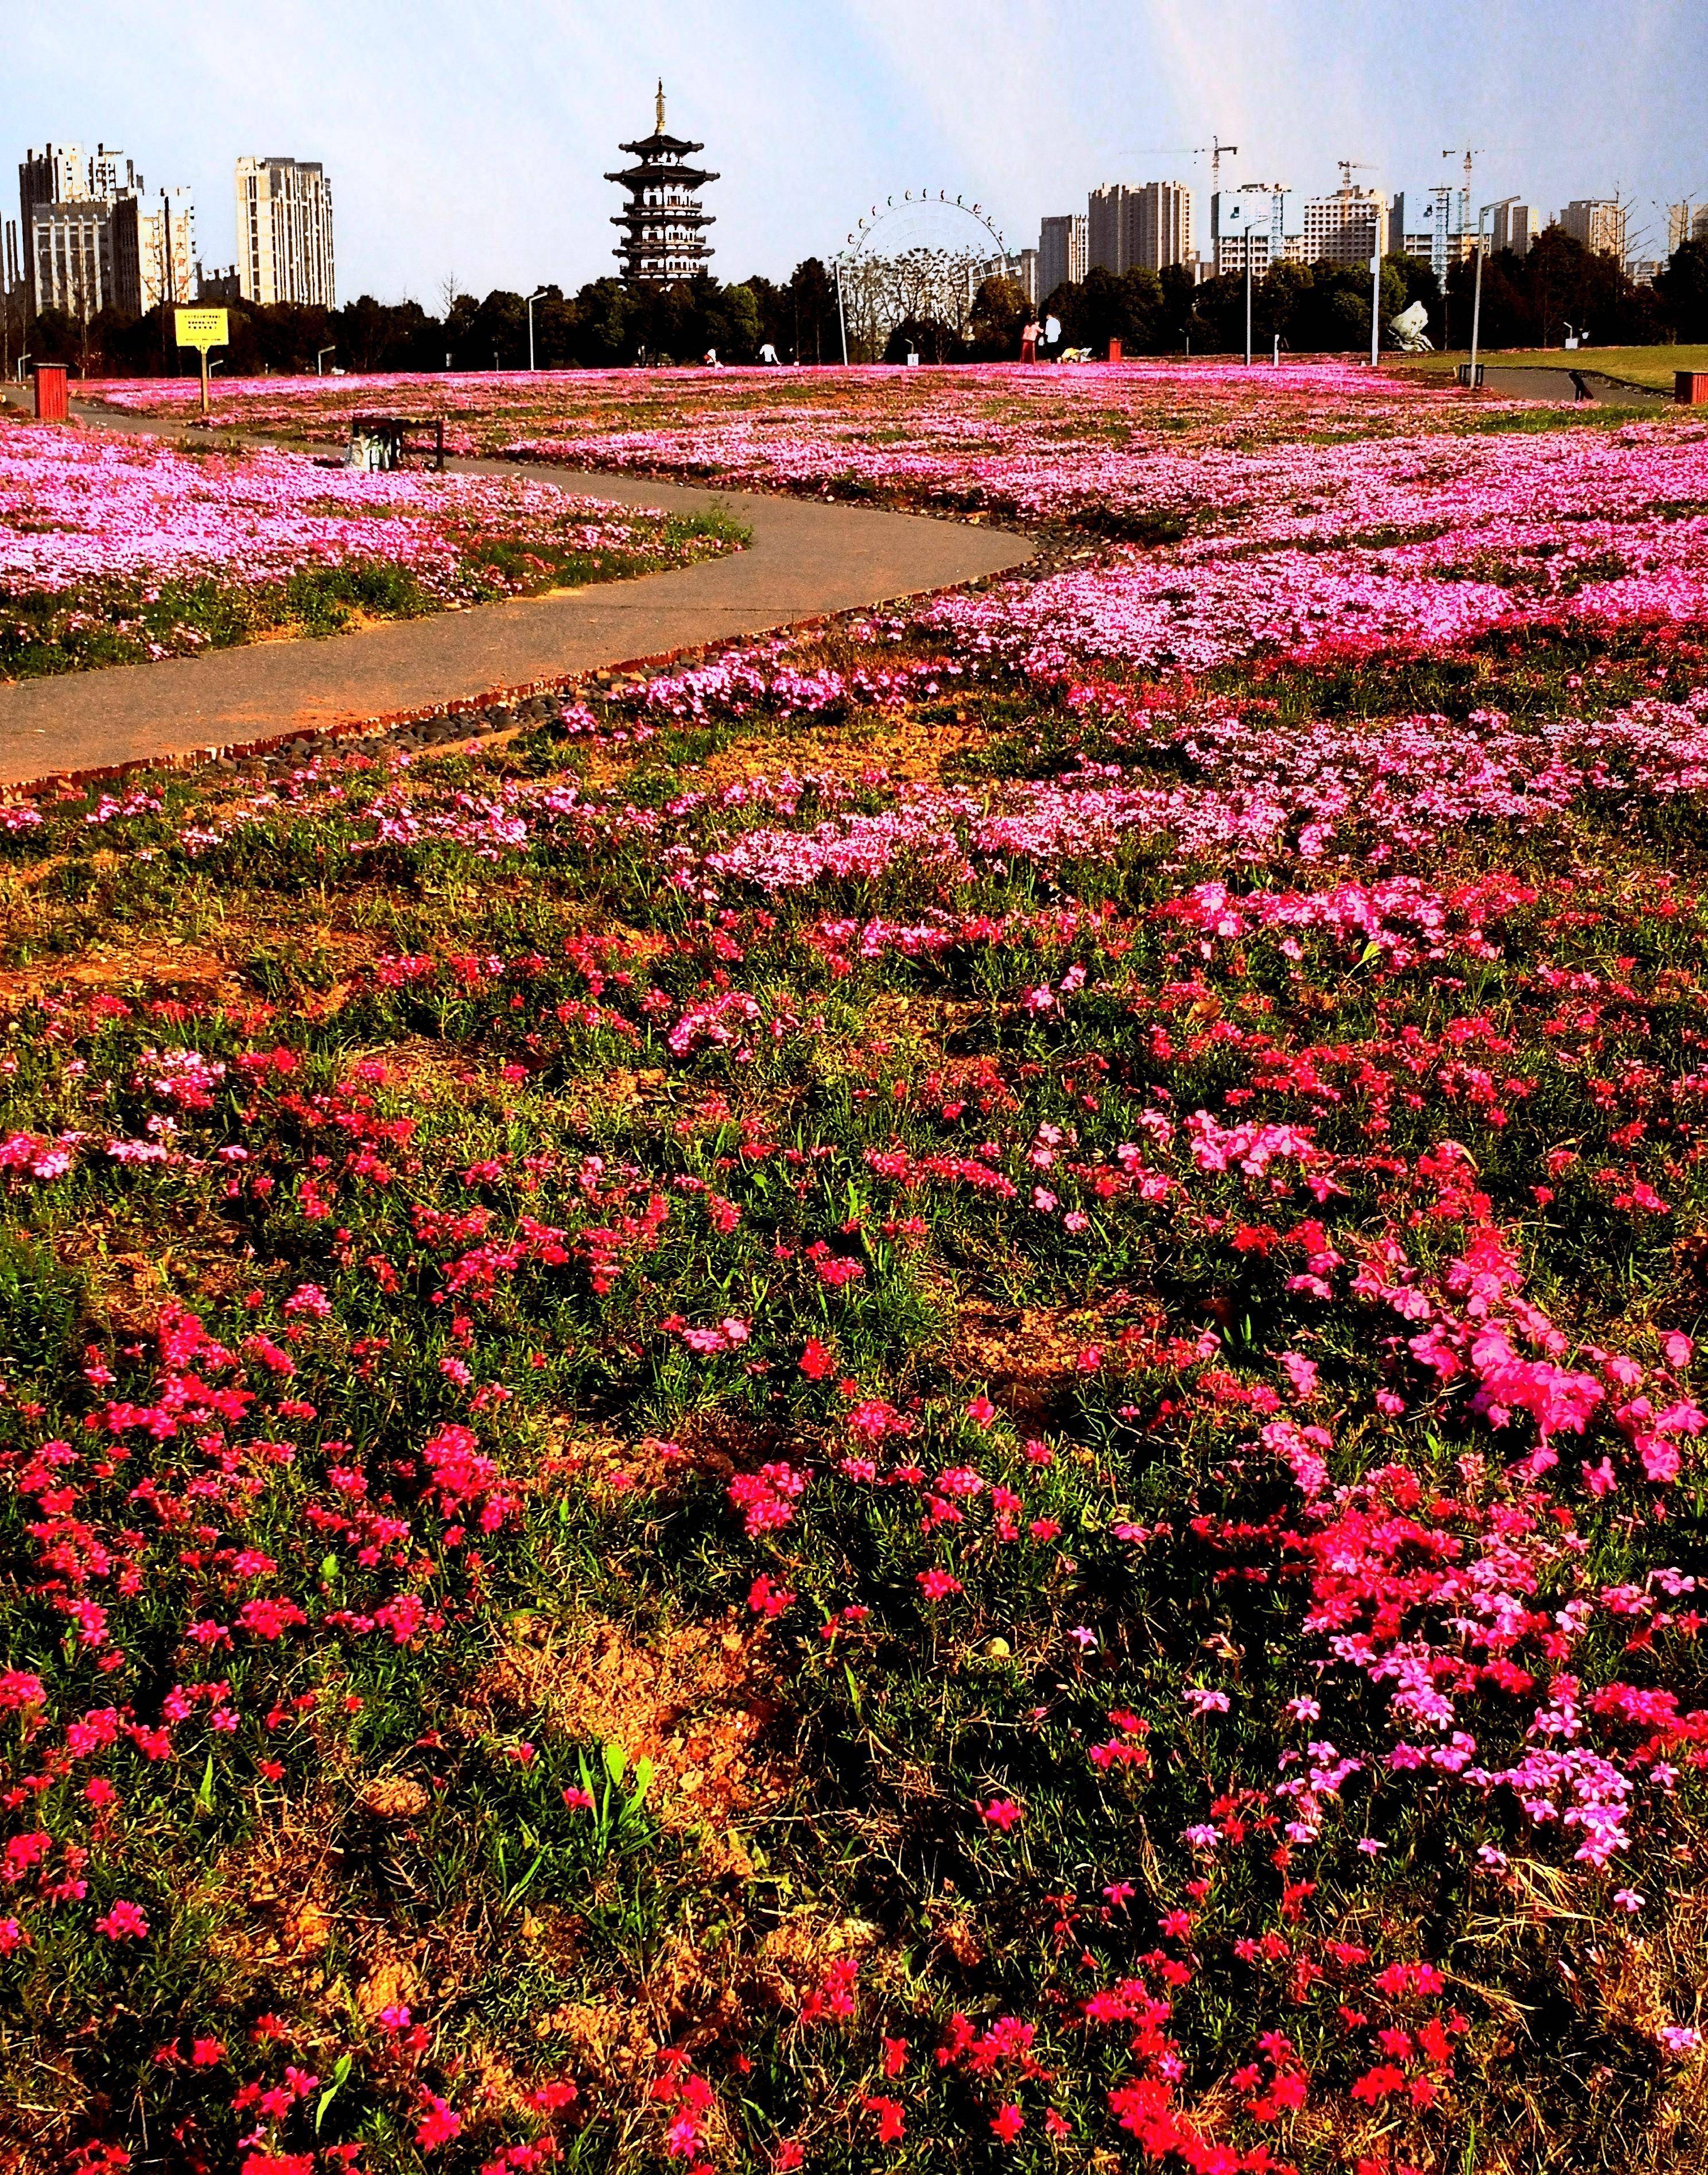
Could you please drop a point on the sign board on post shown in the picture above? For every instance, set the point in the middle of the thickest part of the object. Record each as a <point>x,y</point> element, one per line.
<point>202,329</point>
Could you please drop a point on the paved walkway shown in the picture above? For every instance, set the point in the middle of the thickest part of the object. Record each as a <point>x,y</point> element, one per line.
<point>806,559</point>
<point>1551,382</point>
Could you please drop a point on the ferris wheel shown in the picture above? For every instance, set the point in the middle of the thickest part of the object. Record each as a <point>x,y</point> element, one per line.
<point>920,254</point>
<point>922,219</point>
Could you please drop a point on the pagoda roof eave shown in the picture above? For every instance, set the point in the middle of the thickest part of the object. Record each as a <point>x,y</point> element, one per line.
<point>647,218</point>
<point>640,177</point>
<point>657,142</point>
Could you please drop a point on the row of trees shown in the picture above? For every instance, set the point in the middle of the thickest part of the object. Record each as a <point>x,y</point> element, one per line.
<point>1526,302</point>
<point>604,324</point>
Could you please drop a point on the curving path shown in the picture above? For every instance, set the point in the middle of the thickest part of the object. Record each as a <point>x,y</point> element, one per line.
<point>806,559</point>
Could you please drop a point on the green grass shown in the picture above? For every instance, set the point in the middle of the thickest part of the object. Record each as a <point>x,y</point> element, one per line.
<point>1643,365</point>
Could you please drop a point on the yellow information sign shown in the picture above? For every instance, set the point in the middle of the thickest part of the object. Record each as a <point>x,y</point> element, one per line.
<point>204,327</point>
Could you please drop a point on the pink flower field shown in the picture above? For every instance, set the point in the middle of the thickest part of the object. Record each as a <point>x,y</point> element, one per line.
<point>117,546</point>
<point>1040,444</point>
<point>931,1388</point>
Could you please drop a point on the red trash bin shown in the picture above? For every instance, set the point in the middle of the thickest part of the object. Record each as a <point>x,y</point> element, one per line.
<point>1115,350</point>
<point>1690,389</point>
<point>51,405</point>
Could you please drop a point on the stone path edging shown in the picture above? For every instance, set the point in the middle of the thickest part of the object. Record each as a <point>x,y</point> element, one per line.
<point>808,560</point>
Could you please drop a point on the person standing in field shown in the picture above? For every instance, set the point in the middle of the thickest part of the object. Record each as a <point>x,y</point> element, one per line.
<point>1028,340</point>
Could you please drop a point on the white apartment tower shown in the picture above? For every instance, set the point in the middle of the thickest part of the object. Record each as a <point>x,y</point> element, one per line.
<point>1344,228</point>
<point>285,232</point>
<point>1061,254</point>
<point>1515,226</point>
<point>1247,226</point>
<point>1148,223</point>
<point>1597,222</point>
<point>1163,225</point>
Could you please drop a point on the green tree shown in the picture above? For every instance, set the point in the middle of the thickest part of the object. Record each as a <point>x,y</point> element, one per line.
<point>1001,312</point>
<point>1682,286</point>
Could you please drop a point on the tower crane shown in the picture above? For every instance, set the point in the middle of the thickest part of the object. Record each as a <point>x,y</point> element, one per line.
<point>1470,156</point>
<point>1214,151</point>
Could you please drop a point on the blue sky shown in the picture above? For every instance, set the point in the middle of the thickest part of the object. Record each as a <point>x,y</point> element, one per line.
<point>469,139</point>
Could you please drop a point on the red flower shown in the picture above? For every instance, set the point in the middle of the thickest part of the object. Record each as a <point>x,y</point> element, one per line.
<point>889,2115</point>
<point>438,2125</point>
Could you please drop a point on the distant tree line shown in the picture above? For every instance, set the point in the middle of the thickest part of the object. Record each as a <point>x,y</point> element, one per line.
<point>1527,301</point>
<point>604,324</point>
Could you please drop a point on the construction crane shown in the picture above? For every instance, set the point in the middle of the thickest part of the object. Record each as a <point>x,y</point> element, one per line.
<point>1470,157</point>
<point>1348,167</point>
<point>1214,151</point>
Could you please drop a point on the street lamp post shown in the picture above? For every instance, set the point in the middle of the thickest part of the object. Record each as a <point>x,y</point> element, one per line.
<point>320,355</point>
<point>1262,189</point>
<point>531,300</point>
<point>1477,294</point>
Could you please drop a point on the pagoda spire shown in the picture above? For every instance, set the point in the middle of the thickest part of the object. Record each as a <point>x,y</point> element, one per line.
<point>661,106</point>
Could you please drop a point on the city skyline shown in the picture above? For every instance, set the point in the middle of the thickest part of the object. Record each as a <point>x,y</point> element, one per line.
<point>808,120</point>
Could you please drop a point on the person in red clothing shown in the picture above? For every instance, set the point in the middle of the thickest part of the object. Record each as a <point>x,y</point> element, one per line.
<point>1028,340</point>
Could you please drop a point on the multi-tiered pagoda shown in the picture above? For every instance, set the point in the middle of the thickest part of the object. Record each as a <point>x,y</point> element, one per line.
<point>664,225</point>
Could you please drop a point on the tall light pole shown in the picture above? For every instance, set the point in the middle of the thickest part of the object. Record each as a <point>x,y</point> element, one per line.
<point>1477,292</point>
<point>1262,189</point>
<point>1247,239</point>
<point>841,313</point>
<point>320,355</point>
<point>531,300</point>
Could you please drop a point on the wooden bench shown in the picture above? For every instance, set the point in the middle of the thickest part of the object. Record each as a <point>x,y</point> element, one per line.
<point>391,435</point>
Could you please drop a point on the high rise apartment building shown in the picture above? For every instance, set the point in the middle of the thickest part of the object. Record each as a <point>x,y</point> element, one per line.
<point>1147,224</point>
<point>1515,226</point>
<point>1346,228</point>
<point>154,250</point>
<point>1249,226</point>
<point>1061,252</point>
<point>1102,228</point>
<point>1685,223</point>
<point>285,232</point>
<point>1597,222</point>
<point>91,239</point>
<point>71,259</point>
<point>1164,234</point>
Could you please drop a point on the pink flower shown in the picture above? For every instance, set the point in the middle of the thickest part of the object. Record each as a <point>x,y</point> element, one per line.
<point>1002,1813</point>
<point>438,2125</point>
<point>124,1922</point>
